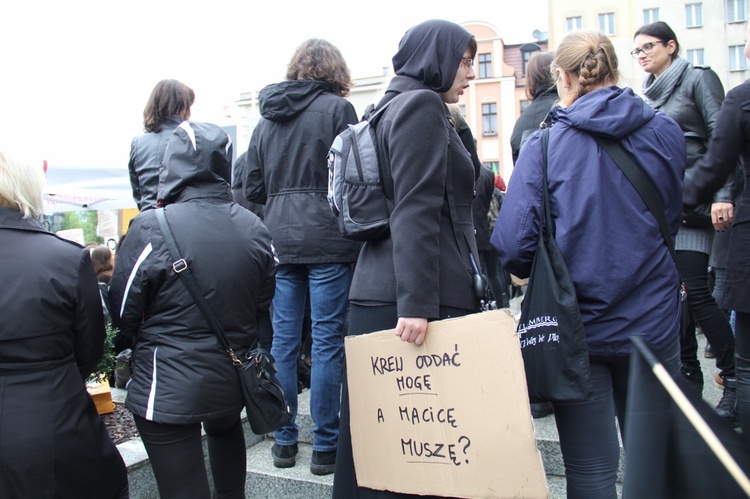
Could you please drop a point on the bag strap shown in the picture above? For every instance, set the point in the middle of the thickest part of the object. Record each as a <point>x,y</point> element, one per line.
<point>642,183</point>
<point>545,217</point>
<point>180,267</point>
<point>463,245</point>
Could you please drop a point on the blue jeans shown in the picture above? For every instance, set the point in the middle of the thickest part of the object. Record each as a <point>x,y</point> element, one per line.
<point>328,285</point>
<point>588,433</point>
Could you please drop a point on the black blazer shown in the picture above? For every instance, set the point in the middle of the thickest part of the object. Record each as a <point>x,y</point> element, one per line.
<point>418,266</point>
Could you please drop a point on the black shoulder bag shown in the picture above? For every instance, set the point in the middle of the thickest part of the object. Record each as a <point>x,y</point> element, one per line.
<point>265,403</point>
<point>553,339</point>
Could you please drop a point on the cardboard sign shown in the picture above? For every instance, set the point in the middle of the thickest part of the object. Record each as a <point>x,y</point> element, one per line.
<point>450,417</point>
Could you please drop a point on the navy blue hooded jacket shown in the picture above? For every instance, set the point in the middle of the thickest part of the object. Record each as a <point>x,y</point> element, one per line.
<point>625,277</point>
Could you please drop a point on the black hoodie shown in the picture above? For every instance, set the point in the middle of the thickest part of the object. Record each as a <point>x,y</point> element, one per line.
<point>287,170</point>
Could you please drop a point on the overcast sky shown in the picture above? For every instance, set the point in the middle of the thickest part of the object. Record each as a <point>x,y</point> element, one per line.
<point>76,75</point>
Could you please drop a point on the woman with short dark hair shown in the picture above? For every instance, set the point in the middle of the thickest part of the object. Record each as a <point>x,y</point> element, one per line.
<point>168,105</point>
<point>542,94</point>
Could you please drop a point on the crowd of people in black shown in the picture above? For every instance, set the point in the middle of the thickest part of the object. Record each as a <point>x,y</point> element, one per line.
<point>264,246</point>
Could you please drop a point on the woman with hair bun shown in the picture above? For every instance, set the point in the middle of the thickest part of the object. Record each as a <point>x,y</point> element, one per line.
<point>625,277</point>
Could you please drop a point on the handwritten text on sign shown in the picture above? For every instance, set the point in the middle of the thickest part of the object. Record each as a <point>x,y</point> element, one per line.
<point>430,419</point>
<point>419,413</point>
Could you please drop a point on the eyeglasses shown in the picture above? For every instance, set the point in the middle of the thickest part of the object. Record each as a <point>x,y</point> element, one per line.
<point>646,48</point>
<point>467,62</point>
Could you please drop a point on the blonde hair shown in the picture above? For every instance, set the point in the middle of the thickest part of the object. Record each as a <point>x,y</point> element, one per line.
<point>589,56</point>
<point>21,186</point>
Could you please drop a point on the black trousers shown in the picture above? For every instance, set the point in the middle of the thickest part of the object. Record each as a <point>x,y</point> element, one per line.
<point>176,455</point>
<point>693,268</point>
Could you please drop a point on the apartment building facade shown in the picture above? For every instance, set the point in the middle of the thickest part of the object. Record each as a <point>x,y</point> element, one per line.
<point>710,32</point>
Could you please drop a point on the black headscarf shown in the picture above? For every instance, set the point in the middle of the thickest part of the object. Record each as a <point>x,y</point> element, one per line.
<point>431,53</point>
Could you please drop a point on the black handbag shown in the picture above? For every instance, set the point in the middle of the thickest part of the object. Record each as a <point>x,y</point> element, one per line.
<point>551,331</point>
<point>265,403</point>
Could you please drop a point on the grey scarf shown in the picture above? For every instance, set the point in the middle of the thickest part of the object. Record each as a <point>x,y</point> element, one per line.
<point>658,90</point>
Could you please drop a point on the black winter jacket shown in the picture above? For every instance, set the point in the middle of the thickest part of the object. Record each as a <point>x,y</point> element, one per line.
<point>181,374</point>
<point>484,189</point>
<point>52,441</point>
<point>420,255</point>
<point>146,153</point>
<point>287,170</point>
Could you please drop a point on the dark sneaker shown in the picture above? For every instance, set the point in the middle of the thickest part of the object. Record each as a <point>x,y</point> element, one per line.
<point>284,456</point>
<point>727,407</point>
<point>323,463</point>
<point>694,377</point>
<point>541,410</point>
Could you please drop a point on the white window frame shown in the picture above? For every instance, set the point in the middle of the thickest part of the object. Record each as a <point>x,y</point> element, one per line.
<point>737,59</point>
<point>694,15</point>
<point>489,119</point>
<point>574,23</point>
<point>607,23</point>
<point>736,12</point>
<point>651,15</point>
<point>695,56</point>
<point>485,65</point>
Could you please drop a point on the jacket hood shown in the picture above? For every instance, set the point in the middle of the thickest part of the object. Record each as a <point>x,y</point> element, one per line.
<point>284,100</point>
<point>197,164</point>
<point>430,52</point>
<point>612,112</point>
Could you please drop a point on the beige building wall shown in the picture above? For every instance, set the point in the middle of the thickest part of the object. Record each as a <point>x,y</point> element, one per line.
<point>714,36</point>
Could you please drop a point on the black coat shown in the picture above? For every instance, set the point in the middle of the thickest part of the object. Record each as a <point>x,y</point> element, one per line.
<point>52,441</point>
<point>531,117</point>
<point>420,255</point>
<point>146,154</point>
<point>484,189</point>
<point>287,170</point>
<point>181,374</point>
<point>730,143</point>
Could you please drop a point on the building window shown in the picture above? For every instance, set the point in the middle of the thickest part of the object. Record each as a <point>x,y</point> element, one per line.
<point>737,59</point>
<point>489,120</point>
<point>694,15</point>
<point>607,23</point>
<point>695,57</point>
<point>527,50</point>
<point>494,166</point>
<point>574,23</point>
<point>485,65</point>
<point>650,15</point>
<point>736,11</point>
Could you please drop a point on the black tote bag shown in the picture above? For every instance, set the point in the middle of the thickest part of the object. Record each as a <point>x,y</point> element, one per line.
<point>553,340</point>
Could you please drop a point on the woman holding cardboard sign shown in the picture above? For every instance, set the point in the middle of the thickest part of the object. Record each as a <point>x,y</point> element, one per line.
<point>625,278</point>
<point>420,271</point>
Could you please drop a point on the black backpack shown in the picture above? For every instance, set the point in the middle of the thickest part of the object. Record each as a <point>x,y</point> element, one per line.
<point>355,182</point>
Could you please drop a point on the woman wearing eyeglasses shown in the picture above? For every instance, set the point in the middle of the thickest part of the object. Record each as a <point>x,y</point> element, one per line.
<point>692,96</point>
<point>417,273</point>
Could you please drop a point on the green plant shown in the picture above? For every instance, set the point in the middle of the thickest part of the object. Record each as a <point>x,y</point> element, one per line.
<point>106,366</point>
